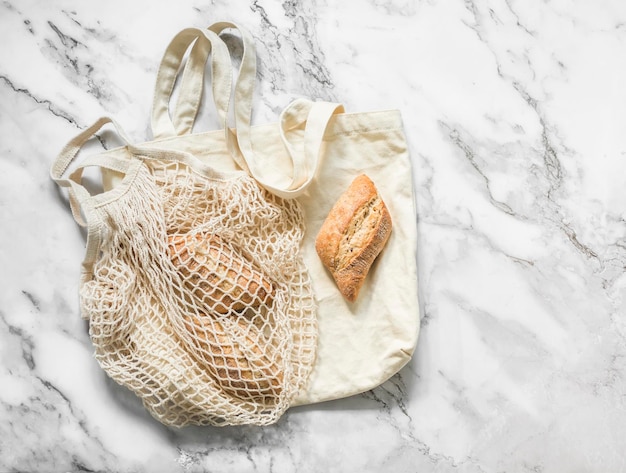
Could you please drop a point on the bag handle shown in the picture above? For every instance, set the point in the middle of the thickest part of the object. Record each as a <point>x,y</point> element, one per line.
<point>305,152</point>
<point>201,42</point>
<point>81,202</point>
<point>244,85</point>
<point>312,116</point>
<point>192,80</point>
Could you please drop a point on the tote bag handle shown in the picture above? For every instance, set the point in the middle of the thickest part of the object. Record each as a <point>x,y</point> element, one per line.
<point>303,150</point>
<point>183,117</point>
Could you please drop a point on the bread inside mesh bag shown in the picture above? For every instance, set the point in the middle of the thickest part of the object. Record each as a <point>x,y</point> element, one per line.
<point>231,332</point>
<point>218,274</point>
<point>237,355</point>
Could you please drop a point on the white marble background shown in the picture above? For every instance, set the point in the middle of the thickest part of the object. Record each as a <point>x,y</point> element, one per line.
<point>516,116</point>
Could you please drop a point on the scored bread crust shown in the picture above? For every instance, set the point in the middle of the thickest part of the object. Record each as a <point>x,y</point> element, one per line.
<point>353,234</point>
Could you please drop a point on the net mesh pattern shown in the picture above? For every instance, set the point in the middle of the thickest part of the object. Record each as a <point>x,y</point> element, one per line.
<point>200,302</point>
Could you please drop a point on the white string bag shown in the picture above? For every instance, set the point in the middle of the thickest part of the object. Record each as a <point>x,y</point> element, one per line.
<point>200,280</point>
<point>180,309</point>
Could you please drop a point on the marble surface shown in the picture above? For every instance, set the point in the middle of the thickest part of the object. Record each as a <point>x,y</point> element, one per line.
<point>515,114</point>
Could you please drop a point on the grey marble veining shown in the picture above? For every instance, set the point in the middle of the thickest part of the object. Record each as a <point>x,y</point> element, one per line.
<point>515,115</point>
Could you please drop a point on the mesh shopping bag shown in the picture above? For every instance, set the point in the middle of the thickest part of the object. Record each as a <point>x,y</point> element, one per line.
<point>199,300</point>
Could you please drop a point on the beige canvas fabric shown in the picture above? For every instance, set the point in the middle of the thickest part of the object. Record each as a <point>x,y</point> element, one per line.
<point>226,315</point>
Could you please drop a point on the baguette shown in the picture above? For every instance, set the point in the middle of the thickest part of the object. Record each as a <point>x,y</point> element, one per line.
<point>353,235</point>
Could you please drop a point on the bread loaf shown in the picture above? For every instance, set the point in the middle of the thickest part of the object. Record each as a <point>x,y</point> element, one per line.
<point>230,346</point>
<point>233,351</point>
<point>217,274</point>
<point>353,234</point>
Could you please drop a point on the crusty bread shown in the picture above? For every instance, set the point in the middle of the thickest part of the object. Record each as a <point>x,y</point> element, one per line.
<point>353,234</point>
<point>217,274</point>
<point>232,349</point>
